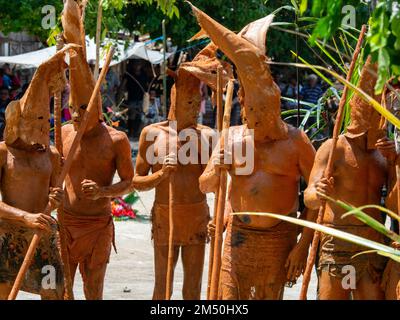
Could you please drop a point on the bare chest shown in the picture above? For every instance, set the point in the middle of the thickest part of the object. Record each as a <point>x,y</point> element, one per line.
<point>92,154</point>
<point>277,158</point>
<point>28,166</point>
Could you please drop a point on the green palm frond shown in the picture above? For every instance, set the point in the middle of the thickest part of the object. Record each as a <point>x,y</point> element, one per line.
<point>381,249</point>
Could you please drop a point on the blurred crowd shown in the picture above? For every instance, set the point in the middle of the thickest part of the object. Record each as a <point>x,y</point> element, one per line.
<point>133,96</point>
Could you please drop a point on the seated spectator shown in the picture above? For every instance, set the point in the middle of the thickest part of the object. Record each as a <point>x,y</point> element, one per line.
<point>312,91</point>
<point>290,91</point>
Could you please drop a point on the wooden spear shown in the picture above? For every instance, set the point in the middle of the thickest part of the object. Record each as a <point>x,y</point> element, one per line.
<point>219,120</point>
<point>171,249</point>
<point>329,168</point>
<point>60,213</point>
<point>219,219</point>
<point>67,165</point>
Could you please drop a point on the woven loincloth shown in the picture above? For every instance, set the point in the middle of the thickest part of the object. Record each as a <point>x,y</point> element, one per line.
<point>14,243</point>
<point>253,263</point>
<point>190,223</point>
<point>335,253</point>
<point>391,280</point>
<point>89,239</point>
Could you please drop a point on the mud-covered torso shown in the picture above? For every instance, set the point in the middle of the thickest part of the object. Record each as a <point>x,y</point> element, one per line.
<point>25,179</point>
<point>359,176</point>
<point>94,160</point>
<point>272,186</point>
<point>187,175</point>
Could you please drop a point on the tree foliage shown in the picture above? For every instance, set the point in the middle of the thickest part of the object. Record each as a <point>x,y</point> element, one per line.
<point>383,40</point>
<point>26,15</point>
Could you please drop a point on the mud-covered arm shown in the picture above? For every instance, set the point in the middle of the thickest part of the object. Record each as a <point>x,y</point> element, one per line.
<point>209,180</point>
<point>142,180</point>
<point>306,161</point>
<point>6,211</point>
<point>13,214</point>
<point>311,198</point>
<point>125,169</point>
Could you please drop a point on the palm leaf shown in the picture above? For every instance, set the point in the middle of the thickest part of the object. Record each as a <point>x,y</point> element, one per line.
<point>375,104</point>
<point>380,248</point>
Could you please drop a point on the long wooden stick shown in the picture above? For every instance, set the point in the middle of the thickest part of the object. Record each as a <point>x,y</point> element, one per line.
<point>171,249</point>
<point>67,165</point>
<point>219,120</point>
<point>329,168</point>
<point>219,228</point>
<point>69,294</point>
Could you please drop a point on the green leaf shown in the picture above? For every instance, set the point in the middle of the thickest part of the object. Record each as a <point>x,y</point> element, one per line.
<point>380,248</point>
<point>303,6</point>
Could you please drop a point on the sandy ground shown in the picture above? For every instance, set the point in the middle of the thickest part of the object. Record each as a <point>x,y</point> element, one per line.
<point>130,273</point>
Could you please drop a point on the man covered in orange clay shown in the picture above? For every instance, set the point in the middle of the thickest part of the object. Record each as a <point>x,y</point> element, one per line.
<point>190,210</point>
<point>29,171</point>
<point>260,254</point>
<point>103,152</point>
<point>360,172</point>
<point>391,276</point>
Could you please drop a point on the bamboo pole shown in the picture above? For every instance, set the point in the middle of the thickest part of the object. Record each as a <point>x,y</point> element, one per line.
<point>171,249</point>
<point>98,40</point>
<point>164,68</point>
<point>69,294</point>
<point>219,219</point>
<point>219,120</point>
<point>329,168</point>
<point>67,165</point>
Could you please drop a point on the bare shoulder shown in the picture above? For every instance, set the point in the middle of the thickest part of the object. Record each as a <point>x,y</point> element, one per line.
<point>297,135</point>
<point>153,129</point>
<point>117,135</point>
<point>67,129</point>
<point>325,148</point>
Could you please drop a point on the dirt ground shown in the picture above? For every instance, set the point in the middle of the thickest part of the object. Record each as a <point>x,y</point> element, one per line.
<point>130,273</point>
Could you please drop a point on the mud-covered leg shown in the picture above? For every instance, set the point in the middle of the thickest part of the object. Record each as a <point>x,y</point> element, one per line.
<point>160,269</point>
<point>93,281</point>
<point>193,264</point>
<point>368,289</point>
<point>330,288</point>
<point>5,290</point>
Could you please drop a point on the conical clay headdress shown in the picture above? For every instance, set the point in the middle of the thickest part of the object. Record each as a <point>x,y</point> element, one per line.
<point>203,68</point>
<point>28,119</point>
<point>81,78</point>
<point>364,118</point>
<point>260,94</point>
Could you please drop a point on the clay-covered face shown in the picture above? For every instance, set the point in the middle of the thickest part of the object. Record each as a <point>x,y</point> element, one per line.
<point>185,100</point>
<point>77,114</point>
<point>35,129</point>
<point>27,129</point>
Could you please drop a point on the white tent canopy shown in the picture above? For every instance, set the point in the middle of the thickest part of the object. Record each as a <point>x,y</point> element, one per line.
<point>134,50</point>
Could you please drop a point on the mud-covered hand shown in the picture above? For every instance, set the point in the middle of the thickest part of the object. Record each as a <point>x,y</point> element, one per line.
<point>170,164</point>
<point>221,160</point>
<point>296,262</point>
<point>386,147</point>
<point>211,227</point>
<point>325,187</point>
<point>90,189</point>
<point>56,196</point>
<point>38,221</point>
